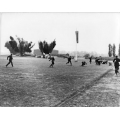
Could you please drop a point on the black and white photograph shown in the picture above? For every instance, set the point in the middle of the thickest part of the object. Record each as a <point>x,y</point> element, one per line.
<point>59,59</point>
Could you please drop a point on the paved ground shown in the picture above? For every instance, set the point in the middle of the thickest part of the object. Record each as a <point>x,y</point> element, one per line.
<point>32,83</point>
<point>106,93</point>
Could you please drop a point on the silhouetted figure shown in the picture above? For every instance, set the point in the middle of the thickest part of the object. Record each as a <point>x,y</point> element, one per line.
<point>69,60</point>
<point>104,62</point>
<point>98,61</point>
<point>52,59</point>
<point>83,63</point>
<point>116,64</point>
<point>10,60</point>
<point>90,59</point>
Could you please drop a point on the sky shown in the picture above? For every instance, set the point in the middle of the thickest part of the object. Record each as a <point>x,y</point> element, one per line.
<point>96,30</point>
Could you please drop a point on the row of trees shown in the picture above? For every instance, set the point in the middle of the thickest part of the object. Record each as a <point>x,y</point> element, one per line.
<point>46,48</point>
<point>20,46</point>
<point>112,50</point>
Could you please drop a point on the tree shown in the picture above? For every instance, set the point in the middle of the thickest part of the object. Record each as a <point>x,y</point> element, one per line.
<point>87,55</point>
<point>20,47</point>
<point>114,50</point>
<point>119,50</point>
<point>110,50</point>
<point>46,48</point>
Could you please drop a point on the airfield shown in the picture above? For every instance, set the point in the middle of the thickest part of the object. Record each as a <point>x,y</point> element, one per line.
<point>31,83</point>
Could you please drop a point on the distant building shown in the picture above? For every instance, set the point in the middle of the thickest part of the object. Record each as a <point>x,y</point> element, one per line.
<point>37,52</point>
<point>54,52</point>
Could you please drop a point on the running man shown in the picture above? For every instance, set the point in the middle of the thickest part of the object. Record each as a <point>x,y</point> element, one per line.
<point>69,60</point>
<point>52,60</point>
<point>10,60</point>
<point>90,59</point>
<point>116,64</point>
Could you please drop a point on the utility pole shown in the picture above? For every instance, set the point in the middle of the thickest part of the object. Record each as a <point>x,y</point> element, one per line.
<point>76,33</point>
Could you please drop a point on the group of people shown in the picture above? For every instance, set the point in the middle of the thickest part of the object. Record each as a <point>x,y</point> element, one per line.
<point>99,61</point>
<point>85,63</point>
<point>52,59</point>
<point>116,61</point>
